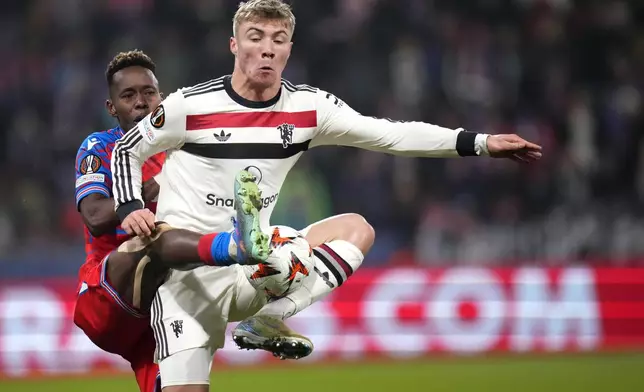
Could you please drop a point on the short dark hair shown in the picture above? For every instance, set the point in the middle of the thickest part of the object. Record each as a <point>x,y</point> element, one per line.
<point>128,59</point>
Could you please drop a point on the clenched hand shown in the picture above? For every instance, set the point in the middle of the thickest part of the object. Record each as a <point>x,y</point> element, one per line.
<point>139,222</point>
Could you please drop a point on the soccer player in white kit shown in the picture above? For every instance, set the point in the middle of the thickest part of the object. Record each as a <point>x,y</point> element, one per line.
<point>254,122</point>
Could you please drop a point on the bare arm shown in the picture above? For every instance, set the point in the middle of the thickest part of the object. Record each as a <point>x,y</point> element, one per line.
<point>98,214</point>
<point>151,190</point>
<point>98,211</point>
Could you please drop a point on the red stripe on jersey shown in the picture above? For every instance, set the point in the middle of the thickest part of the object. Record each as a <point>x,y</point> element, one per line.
<point>198,122</point>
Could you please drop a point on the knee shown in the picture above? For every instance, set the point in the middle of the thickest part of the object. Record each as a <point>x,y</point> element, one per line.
<point>359,232</point>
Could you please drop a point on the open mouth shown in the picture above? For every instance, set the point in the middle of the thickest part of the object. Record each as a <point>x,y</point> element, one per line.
<point>139,117</point>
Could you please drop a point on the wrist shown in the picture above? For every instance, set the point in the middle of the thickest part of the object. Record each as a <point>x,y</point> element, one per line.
<point>213,249</point>
<point>465,143</point>
<point>471,143</point>
<point>480,144</point>
<point>127,208</point>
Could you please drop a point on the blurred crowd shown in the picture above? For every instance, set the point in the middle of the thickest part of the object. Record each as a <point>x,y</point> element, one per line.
<point>563,73</point>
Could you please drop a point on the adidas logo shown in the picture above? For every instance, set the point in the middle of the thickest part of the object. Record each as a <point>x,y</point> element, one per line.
<point>222,137</point>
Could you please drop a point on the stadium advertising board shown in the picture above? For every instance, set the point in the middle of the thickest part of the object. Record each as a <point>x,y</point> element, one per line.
<point>395,312</point>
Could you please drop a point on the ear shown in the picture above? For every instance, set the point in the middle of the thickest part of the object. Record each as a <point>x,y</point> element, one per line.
<point>290,47</point>
<point>110,108</point>
<point>233,46</point>
<point>161,95</point>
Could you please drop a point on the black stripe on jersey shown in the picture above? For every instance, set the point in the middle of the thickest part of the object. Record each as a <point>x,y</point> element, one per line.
<point>289,88</point>
<point>329,265</point>
<point>300,87</point>
<point>122,165</point>
<point>123,169</point>
<point>206,89</point>
<point>203,84</point>
<point>246,150</point>
<point>118,168</point>
<point>128,169</point>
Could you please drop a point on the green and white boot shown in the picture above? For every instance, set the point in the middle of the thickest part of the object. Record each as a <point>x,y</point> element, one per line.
<point>253,245</point>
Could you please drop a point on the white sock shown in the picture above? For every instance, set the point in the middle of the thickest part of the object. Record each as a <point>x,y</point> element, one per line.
<point>232,248</point>
<point>335,262</point>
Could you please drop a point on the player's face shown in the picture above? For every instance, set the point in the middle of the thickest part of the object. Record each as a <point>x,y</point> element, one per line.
<point>134,94</point>
<point>262,49</point>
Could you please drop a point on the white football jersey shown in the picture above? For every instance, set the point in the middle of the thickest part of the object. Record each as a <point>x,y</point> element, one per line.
<point>210,133</point>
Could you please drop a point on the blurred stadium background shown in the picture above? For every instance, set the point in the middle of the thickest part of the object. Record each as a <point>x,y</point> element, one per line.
<point>535,272</point>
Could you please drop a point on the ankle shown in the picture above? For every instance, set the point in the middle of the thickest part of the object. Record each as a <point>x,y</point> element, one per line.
<point>232,247</point>
<point>213,249</point>
<point>282,308</point>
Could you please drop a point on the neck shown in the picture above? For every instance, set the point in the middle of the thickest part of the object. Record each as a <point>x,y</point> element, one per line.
<point>242,85</point>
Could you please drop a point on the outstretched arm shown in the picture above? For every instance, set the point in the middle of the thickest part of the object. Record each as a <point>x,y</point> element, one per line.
<point>338,124</point>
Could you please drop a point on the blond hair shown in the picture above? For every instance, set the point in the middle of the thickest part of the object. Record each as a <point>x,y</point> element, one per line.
<point>254,10</point>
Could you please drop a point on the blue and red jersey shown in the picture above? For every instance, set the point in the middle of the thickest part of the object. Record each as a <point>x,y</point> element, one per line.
<point>94,175</point>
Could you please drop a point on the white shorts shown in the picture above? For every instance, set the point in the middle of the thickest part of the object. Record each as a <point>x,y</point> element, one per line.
<point>189,317</point>
<point>188,367</point>
<point>192,308</point>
